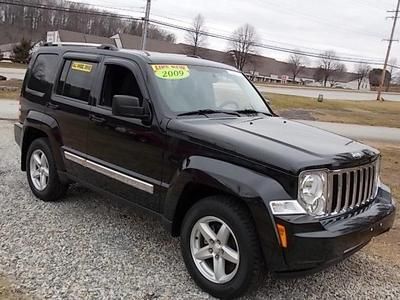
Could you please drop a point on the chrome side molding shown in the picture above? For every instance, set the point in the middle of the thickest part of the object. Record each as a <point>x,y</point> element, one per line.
<point>129,180</point>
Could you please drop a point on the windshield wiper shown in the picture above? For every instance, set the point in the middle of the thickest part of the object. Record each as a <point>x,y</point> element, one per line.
<point>208,112</point>
<point>251,112</point>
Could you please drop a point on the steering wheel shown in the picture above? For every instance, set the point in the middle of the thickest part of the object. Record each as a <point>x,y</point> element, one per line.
<point>229,102</point>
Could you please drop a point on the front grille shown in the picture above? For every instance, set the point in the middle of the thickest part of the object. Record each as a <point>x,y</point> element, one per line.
<point>351,188</point>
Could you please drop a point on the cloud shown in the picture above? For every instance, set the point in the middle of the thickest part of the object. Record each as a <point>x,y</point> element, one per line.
<point>351,28</point>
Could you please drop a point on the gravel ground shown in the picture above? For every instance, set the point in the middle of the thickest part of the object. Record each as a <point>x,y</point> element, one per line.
<point>88,247</point>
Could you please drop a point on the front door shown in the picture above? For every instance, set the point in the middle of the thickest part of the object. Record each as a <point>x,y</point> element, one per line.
<point>126,153</point>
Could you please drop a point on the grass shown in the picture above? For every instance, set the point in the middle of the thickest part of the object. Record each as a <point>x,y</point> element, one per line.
<point>357,112</point>
<point>6,94</point>
<point>387,246</point>
<point>12,65</point>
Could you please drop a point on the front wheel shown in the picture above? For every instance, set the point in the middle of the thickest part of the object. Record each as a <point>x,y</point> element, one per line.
<point>220,246</point>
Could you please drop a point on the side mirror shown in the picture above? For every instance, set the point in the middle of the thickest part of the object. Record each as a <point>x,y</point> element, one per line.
<point>128,106</point>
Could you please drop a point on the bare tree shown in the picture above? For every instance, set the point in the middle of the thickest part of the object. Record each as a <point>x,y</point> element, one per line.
<point>243,45</point>
<point>329,65</point>
<point>295,65</point>
<point>362,73</point>
<point>195,36</point>
<point>17,21</point>
<point>337,73</point>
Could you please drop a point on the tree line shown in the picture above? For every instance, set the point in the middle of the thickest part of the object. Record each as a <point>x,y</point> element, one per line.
<point>329,70</point>
<point>18,21</point>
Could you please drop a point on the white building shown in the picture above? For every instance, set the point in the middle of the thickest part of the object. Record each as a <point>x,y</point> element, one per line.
<point>6,51</point>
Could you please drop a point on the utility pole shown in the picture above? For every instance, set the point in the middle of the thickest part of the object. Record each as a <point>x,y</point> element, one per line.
<point>382,83</point>
<point>146,24</point>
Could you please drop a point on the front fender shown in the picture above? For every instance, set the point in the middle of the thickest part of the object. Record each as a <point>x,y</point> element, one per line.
<point>255,189</point>
<point>36,121</point>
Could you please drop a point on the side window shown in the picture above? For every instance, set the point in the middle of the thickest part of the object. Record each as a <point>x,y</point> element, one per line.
<point>118,81</point>
<point>76,79</point>
<point>43,72</point>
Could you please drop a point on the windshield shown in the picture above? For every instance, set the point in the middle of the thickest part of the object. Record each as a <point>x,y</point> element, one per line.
<point>193,88</point>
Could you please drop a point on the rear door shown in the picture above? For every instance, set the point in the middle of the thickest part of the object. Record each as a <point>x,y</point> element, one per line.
<point>70,105</point>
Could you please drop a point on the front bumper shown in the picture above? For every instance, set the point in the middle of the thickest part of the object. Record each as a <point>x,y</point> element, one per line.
<point>315,244</point>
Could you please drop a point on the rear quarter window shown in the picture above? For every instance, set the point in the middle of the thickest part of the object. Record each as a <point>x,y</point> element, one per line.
<point>43,73</point>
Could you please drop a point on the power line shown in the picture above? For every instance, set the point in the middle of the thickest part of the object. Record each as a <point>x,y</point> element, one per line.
<point>137,9</point>
<point>71,10</point>
<point>270,47</point>
<point>313,18</point>
<point>205,33</point>
<point>382,82</point>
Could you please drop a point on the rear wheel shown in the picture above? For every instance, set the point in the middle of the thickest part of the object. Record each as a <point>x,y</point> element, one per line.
<point>220,246</point>
<point>42,173</point>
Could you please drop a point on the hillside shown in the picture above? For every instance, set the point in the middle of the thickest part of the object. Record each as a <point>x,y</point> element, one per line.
<point>31,22</point>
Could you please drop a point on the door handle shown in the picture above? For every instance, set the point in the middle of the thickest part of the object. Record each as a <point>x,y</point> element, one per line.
<point>51,105</point>
<point>97,119</point>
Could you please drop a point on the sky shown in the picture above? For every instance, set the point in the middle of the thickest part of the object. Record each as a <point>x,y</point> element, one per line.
<point>352,28</point>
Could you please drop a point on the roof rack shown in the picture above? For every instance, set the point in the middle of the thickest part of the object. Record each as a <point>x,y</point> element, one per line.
<point>98,46</point>
<point>107,47</point>
<point>192,55</point>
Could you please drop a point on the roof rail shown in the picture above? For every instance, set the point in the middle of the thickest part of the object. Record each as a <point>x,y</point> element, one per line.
<point>108,47</point>
<point>57,44</point>
<point>192,55</point>
<point>98,46</point>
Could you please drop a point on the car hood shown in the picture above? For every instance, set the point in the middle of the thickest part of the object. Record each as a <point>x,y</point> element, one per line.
<point>276,142</point>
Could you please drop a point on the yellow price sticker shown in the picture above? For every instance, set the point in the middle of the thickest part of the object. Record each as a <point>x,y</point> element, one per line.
<point>171,72</point>
<point>82,67</point>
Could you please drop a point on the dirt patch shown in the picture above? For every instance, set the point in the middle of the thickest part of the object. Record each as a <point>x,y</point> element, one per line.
<point>9,293</point>
<point>11,83</point>
<point>297,114</point>
<point>10,89</point>
<point>387,246</point>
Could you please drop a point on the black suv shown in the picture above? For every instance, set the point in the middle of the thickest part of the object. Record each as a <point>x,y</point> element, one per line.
<point>195,143</point>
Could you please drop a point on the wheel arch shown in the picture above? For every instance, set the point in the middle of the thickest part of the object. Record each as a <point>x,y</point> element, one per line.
<point>201,177</point>
<point>39,125</point>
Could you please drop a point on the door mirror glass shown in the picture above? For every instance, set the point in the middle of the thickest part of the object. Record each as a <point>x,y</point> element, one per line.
<point>128,106</point>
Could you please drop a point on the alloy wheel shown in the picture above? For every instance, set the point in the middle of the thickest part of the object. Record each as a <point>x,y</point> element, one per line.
<point>214,249</point>
<point>39,170</point>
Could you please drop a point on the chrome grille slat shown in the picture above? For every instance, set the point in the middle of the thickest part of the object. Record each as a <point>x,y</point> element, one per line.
<point>339,193</point>
<point>365,197</point>
<point>350,188</point>
<point>355,181</point>
<point>360,187</point>
<point>347,197</point>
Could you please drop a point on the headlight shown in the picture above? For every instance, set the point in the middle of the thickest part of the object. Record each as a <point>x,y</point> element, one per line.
<point>377,178</point>
<point>313,192</point>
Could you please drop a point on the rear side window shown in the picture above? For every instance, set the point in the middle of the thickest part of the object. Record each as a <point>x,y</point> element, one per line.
<point>76,79</point>
<point>43,73</point>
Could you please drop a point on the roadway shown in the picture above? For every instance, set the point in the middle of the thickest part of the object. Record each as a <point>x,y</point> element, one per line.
<point>329,94</point>
<point>13,73</point>
<point>9,111</point>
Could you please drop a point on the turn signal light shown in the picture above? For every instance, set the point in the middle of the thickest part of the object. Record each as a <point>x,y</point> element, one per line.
<point>282,235</point>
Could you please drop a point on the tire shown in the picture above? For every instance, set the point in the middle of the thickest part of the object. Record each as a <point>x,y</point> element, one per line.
<point>242,240</point>
<point>50,189</point>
